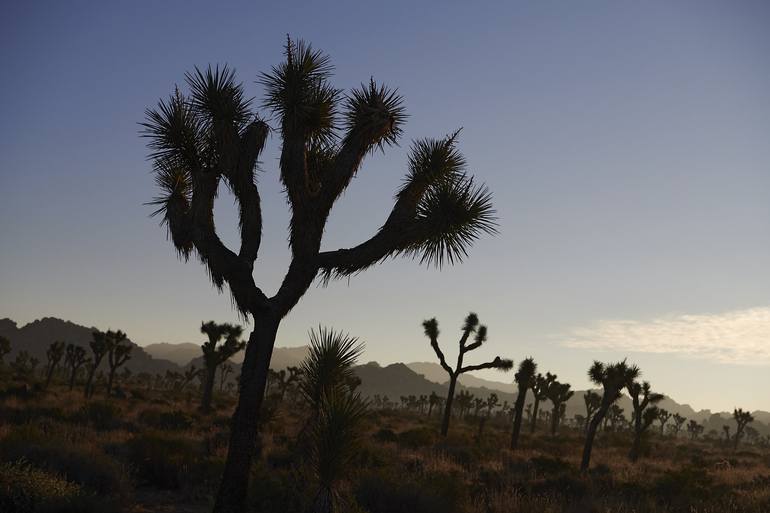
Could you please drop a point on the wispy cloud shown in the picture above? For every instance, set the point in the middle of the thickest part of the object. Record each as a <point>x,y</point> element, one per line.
<point>738,337</point>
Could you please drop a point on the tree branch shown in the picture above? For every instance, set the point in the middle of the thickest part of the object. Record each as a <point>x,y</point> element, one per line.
<point>497,363</point>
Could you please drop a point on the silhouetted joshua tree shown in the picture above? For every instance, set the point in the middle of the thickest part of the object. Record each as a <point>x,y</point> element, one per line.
<point>694,429</point>
<point>5,348</point>
<point>433,401</point>
<point>612,377</point>
<point>742,418</point>
<point>212,136</point>
<point>726,430</point>
<point>558,394</point>
<point>215,355</point>
<point>74,358</point>
<point>592,401</point>
<point>224,370</point>
<point>24,365</point>
<point>118,353</point>
<point>524,378</point>
<point>53,354</point>
<point>540,391</point>
<point>464,402</point>
<point>492,402</point>
<point>99,351</point>
<point>663,416</point>
<point>470,326</point>
<point>644,414</point>
<point>677,426</point>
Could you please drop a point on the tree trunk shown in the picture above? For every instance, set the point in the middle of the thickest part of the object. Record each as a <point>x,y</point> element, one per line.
<point>519,410</point>
<point>72,377</point>
<point>110,379</point>
<point>633,454</point>
<point>533,425</point>
<point>89,383</point>
<point>208,389</point>
<point>243,434</point>
<point>448,406</point>
<point>555,419</point>
<point>592,428</point>
<point>430,409</point>
<point>49,375</point>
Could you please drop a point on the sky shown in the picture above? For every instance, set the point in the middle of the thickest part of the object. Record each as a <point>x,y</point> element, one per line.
<point>627,146</point>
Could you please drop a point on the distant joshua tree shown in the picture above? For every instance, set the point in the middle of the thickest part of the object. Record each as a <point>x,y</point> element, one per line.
<point>742,418</point>
<point>644,414</point>
<point>558,394</point>
<point>24,365</point>
<point>74,358</point>
<point>99,351</point>
<point>492,402</point>
<point>524,378</point>
<point>434,401</point>
<point>464,402</point>
<point>540,391</point>
<point>678,422</point>
<point>592,401</point>
<point>118,353</point>
<point>213,136</point>
<point>215,355</point>
<point>53,354</point>
<point>224,370</point>
<point>470,326</point>
<point>5,348</point>
<point>612,377</point>
<point>694,429</point>
<point>663,416</point>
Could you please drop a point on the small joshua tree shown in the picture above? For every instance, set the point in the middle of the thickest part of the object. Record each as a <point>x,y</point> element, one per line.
<point>612,377</point>
<point>524,378</point>
<point>224,370</point>
<point>663,416</point>
<point>53,354</point>
<point>118,353</point>
<point>540,390</point>
<point>558,394</point>
<point>213,136</point>
<point>677,426</point>
<point>74,358</point>
<point>433,401</point>
<point>215,355</point>
<point>98,350</point>
<point>644,414</point>
<point>464,402</point>
<point>470,326</point>
<point>5,348</point>
<point>24,365</point>
<point>592,401</point>
<point>742,418</point>
<point>492,402</point>
<point>694,429</point>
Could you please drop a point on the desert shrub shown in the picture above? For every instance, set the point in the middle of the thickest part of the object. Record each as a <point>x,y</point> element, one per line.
<point>272,490</point>
<point>26,489</point>
<point>416,438</point>
<point>687,486</point>
<point>102,415</point>
<point>385,435</point>
<point>176,420</point>
<point>433,493</point>
<point>168,462</point>
<point>94,471</point>
<point>545,466</point>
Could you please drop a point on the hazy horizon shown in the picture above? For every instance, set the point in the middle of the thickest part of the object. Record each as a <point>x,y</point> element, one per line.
<point>626,146</point>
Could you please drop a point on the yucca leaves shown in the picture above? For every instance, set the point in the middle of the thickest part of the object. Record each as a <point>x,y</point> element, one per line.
<point>328,367</point>
<point>376,113</point>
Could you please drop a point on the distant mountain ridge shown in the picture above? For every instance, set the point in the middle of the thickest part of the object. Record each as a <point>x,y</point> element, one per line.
<point>395,380</point>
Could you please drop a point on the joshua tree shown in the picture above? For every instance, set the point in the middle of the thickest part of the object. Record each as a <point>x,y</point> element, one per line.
<point>478,404</point>
<point>558,394</point>
<point>224,370</point>
<point>99,350</point>
<point>678,422</point>
<point>433,400</point>
<point>612,377</point>
<point>615,417</point>
<point>210,136</point>
<point>5,348</point>
<point>540,390</point>
<point>53,355</point>
<point>215,355</point>
<point>663,416</point>
<point>742,418</point>
<point>464,402</point>
<point>74,358</point>
<point>492,402</point>
<point>592,401</point>
<point>644,414</point>
<point>187,377</point>
<point>470,326</point>
<point>118,353</point>
<point>726,430</point>
<point>694,429</point>
<point>24,365</point>
<point>524,378</point>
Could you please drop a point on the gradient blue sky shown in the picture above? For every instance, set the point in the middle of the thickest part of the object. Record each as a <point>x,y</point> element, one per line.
<point>627,145</point>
